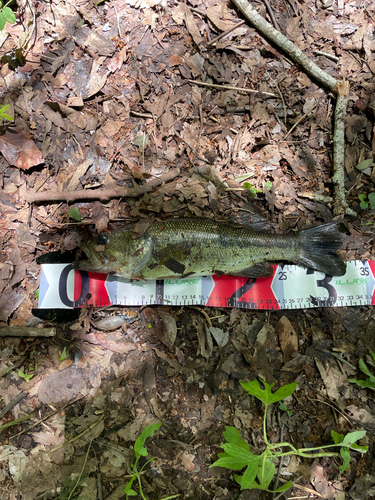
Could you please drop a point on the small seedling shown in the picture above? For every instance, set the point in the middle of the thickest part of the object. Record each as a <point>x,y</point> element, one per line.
<point>141,451</point>
<point>63,355</point>
<point>284,407</point>
<point>268,185</point>
<point>6,15</point>
<point>75,214</point>
<point>368,382</point>
<point>253,190</point>
<point>3,115</point>
<point>367,201</point>
<point>260,469</point>
<point>27,377</point>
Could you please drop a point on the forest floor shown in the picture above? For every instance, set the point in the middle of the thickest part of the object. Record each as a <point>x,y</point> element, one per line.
<point>107,97</point>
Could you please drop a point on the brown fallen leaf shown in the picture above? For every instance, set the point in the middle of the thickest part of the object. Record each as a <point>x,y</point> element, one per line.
<point>9,302</point>
<point>18,149</point>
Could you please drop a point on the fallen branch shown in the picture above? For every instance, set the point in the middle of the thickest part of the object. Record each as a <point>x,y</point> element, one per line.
<point>341,205</point>
<point>289,47</point>
<point>103,194</point>
<point>26,331</point>
<point>341,89</point>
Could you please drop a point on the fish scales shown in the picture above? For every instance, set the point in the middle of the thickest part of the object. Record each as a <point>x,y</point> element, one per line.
<point>198,247</point>
<point>207,247</point>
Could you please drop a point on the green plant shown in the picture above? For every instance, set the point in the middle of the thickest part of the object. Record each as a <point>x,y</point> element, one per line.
<point>370,202</point>
<point>368,382</point>
<point>268,185</point>
<point>75,214</point>
<point>140,450</point>
<point>6,15</point>
<point>27,377</point>
<point>260,469</point>
<point>253,190</point>
<point>63,355</point>
<point>3,115</point>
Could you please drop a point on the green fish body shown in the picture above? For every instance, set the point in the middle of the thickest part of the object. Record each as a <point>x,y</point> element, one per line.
<point>200,247</point>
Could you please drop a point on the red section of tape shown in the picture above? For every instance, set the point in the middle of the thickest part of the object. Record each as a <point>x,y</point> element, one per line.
<point>225,287</point>
<point>97,288</point>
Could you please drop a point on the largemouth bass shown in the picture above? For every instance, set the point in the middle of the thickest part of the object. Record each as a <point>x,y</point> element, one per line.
<point>199,247</point>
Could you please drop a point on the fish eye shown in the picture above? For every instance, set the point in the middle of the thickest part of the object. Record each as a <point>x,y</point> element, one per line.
<point>102,239</point>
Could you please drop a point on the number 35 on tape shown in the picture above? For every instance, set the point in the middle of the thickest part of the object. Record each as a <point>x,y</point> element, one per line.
<point>289,287</point>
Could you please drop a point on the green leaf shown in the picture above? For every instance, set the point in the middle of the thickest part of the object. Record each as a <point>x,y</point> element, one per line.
<point>266,396</point>
<point>236,451</point>
<point>364,164</point>
<point>266,471</point>
<point>284,487</point>
<point>63,355</point>
<point>129,485</point>
<point>75,214</point>
<point>362,197</point>
<point>345,455</point>
<point>148,431</point>
<point>363,205</point>
<point>230,463</point>
<point>352,437</point>
<point>373,355</point>
<point>337,438</point>
<point>9,15</point>
<point>363,367</point>
<point>247,185</point>
<point>232,435</point>
<point>249,475</point>
<point>2,21</point>
<point>268,185</point>
<point>366,384</point>
<point>37,294</point>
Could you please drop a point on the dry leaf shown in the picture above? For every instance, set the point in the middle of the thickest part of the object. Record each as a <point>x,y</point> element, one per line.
<point>19,150</point>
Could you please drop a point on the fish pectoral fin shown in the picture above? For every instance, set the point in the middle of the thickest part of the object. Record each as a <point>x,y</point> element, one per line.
<point>174,266</point>
<point>258,270</point>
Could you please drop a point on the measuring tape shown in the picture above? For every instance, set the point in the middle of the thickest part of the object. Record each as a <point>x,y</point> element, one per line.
<point>289,287</point>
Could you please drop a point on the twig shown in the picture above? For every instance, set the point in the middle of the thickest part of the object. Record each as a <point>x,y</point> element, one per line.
<point>26,331</point>
<point>225,33</point>
<point>46,417</point>
<point>13,403</point>
<point>270,12</point>
<point>289,47</point>
<point>103,194</point>
<point>329,56</point>
<point>341,205</point>
<point>300,119</point>
<point>229,87</point>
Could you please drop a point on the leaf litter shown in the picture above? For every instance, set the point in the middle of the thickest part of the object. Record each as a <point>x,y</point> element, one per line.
<point>109,99</point>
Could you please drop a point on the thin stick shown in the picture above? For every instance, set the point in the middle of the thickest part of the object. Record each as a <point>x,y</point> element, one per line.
<point>329,56</point>
<point>270,12</point>
<point>300,119</point>
<point>229,87</point>
<point>225,33</point>
<point>103,194</point>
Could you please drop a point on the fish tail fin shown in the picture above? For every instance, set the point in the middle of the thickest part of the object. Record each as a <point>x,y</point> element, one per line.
<point>319,246</point>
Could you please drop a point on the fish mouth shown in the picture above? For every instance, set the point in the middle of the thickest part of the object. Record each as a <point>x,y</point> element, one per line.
<point>95,260</point>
